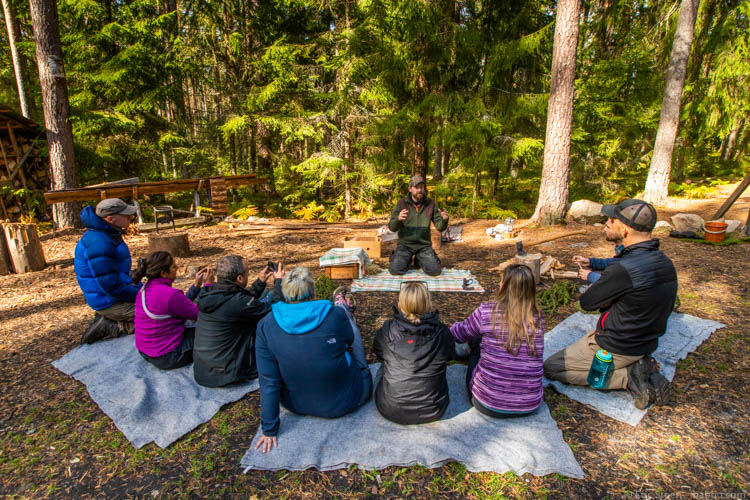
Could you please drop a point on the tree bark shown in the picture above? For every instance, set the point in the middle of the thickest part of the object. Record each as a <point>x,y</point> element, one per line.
<point>657,183</point>
<point>420,155</point>
<point>437,171</point>
<point>56,107</point>
<point>732,141</point>
<point>11,23</point>
<point>553,191</point>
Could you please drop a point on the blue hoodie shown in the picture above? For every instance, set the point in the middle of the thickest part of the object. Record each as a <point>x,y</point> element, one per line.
<point>301,351</point>
<point>102,263</point>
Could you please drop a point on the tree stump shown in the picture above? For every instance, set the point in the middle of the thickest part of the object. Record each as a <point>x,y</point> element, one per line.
<point>175,243</point>
<point>534,262</point>
<point>6,266</point>
<point>24,248</point>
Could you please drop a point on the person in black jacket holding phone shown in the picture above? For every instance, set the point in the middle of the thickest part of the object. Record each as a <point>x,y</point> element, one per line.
<point>224,350</point>
<point>635,295</point>
<point>414,348</point>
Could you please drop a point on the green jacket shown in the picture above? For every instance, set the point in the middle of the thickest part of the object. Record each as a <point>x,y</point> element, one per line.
<point>414,232</point>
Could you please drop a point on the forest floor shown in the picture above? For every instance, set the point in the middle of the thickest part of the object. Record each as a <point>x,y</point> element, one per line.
<point>56,442</point>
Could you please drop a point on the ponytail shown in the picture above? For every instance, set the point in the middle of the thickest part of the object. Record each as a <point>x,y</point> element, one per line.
<point>152,266</point>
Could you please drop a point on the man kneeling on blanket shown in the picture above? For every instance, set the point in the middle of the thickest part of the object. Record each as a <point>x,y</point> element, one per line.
<point>102,267</point>
<point>635,294</point>
<point>310,356</point>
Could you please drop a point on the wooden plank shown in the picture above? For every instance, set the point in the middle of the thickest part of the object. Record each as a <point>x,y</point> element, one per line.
<point>23,160</point>
<point>144,188</point>
<point>218,196</point>
<point>732,198</point>
<point>150,226</point>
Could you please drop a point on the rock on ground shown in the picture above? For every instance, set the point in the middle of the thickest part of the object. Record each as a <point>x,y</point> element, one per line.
<point>586,212</point>
<point>663,225</point>
<point>687,222</point>
<point>732,225</point>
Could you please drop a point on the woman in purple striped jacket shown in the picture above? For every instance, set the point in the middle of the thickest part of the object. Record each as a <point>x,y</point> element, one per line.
<point>506,337</point>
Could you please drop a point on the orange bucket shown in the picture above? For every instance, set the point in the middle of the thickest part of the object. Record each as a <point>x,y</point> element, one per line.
<point>715,231</point>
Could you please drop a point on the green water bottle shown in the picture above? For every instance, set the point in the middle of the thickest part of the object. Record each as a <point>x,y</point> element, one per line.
<point>601,370</point>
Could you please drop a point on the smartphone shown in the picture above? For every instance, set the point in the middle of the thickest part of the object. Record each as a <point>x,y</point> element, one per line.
<point>272,266</point>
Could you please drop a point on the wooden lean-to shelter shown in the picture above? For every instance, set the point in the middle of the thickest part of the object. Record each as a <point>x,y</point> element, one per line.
<point>23,171</point>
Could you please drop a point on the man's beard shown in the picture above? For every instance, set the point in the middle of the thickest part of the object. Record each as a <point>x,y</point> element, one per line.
<point>612,237</point>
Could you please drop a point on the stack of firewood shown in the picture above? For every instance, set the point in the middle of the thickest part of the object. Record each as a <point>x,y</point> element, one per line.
<point>21,189</point>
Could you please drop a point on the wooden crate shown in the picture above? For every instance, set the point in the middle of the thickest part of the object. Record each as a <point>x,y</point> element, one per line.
<point>370,244</point>
<point>345,272</point>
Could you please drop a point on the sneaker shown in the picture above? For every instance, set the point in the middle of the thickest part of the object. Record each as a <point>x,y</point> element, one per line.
<point>342,295</point>
<point>639,386</point>
<point>662,388</point>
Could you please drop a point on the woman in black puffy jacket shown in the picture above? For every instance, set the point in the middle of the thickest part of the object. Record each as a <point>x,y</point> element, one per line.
<point>414,348</point>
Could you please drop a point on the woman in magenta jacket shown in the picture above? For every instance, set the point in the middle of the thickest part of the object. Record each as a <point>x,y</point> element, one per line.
<point>162,334</point>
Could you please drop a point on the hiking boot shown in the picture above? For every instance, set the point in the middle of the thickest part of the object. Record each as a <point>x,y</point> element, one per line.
<point>100,328</point>
<point>662,388</point>
<point>342,295</point>
<point>639,386</point>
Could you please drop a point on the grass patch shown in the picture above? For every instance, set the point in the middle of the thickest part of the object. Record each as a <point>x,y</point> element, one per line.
<point>324,287</point>
<point>559,294</point>
<point>726,242</point>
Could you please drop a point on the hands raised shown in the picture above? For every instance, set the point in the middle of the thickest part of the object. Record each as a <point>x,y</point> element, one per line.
<point>205,275</point>
<point>403,214</point>
<point>267,272</point>
<point>443,213</point>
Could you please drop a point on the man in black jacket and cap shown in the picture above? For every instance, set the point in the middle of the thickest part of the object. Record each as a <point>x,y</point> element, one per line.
<point>635,295</point>
<point>224,350</point>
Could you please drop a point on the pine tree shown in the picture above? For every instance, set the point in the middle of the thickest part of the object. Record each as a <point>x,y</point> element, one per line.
<point>553,191</point>
<point>657,183</point>
<point>56,107</point>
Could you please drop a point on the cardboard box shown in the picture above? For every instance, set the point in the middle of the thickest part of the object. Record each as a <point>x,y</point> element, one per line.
<point>370,244</point>
<point>345,272</point>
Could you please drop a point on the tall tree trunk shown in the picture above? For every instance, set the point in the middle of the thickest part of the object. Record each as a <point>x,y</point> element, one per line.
<point>11,23</point>
<point>732,141</point>
<point>553,191</point>
<point>446,160</point>
<point>233,162</point>
<point>657,182</point>
<point>347,182</point>
<point>437,171</point>
<point>420,155</point>
<point>253,148</point>
<point>56,107</point>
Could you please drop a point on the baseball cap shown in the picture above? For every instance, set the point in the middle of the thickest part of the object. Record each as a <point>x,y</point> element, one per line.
<point>638,214</point>
<point>113,206</point>
<point>417,179</point>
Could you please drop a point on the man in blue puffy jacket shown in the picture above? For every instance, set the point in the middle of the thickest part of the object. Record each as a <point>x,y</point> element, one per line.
<point>102,265</point>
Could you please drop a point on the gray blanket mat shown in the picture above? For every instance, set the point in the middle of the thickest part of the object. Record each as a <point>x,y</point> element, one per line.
<point>145,403</point>
<point>532,444</point>
<point>684,334</point>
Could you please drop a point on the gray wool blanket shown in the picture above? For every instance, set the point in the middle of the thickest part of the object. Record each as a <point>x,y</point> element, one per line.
<point>532,444</point>
<point>145,403</point>
<point>684,334</point>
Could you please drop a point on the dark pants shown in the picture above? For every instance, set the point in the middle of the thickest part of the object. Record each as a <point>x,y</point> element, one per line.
<point>180,356</point>
<point>474,345</point>
<point>121,313</point>
<point>426,257</point>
